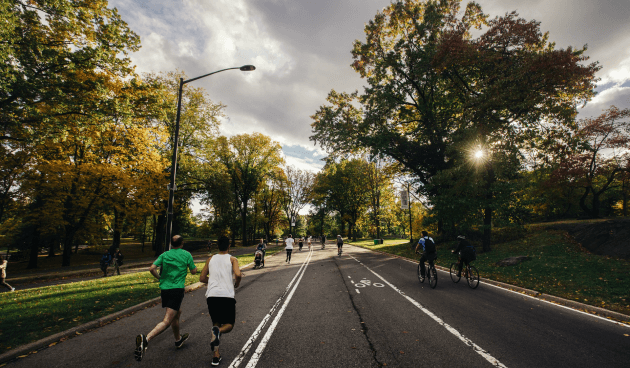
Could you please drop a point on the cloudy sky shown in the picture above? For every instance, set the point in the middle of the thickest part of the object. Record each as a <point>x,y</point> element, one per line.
<point>301,49</point>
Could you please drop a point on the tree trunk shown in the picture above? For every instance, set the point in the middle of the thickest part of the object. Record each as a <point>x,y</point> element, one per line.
<point>160,233</point>
<point>67,247</point>
<point>624,203</point>
<point>244,226</point>
<point>583,202</point>
<point>144,232</point>
<point>34,252</point>
<point>118,219</point>
<point>595,205</point>
<point>487,212</point>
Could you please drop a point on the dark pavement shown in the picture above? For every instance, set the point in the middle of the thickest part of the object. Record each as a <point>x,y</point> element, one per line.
<point>362,309</point>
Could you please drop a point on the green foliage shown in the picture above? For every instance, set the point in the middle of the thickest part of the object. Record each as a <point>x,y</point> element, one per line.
<point>435,94</point>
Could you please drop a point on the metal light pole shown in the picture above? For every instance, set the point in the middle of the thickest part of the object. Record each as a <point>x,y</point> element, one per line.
<point>171,187</point>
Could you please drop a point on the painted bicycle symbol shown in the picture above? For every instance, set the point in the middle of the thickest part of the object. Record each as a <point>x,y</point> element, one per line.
<point>365,283</point>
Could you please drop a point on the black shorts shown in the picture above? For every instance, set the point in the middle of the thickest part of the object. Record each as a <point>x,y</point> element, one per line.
<point>222,310</point>
<point>172,298</point>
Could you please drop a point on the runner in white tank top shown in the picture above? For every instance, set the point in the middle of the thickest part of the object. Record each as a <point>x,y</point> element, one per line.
<point>217,273</point>
<point>220,282</point>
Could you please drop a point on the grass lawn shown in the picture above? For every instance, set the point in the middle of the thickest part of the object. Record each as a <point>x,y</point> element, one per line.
<point>557,267</point>
<point>32,314</point>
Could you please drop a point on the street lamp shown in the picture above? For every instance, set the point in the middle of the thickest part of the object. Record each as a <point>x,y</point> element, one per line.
<point>171,187</point>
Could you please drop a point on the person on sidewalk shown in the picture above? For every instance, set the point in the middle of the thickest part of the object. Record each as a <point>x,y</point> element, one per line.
<point>118,261</point>
<point>106,259</point>
<point>3,274</point>
<point>218,273</point>
<point>308,242</point>
<point>175,265</point>
<point>288,242</point>
<point>301,243</point>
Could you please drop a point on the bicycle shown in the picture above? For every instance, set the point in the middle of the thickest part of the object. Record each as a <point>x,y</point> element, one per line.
<point>470,272</point>
<point>431,274</point>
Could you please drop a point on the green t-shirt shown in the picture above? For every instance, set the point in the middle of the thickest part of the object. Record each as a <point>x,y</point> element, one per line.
<point>175,264</point>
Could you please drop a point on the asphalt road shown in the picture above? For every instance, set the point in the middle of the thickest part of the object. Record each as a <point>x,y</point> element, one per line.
<point>362,309</point>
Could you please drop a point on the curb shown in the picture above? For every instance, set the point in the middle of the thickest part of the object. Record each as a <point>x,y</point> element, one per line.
<point>25,350</point>
<point>597,311</point>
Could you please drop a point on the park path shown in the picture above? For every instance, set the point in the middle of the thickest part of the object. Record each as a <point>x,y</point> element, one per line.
<point>59,276</point>
<point>362,309</point>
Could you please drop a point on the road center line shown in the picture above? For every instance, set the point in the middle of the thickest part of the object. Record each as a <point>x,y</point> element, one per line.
<point>437,319</point>
<point>265,339</point>
<point>250,342</point>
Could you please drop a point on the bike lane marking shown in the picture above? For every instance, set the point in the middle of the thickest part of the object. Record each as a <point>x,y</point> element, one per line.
<point>447,272</point>
<point>265,339</point>
<point>250,342</point>
<point>492,360</point>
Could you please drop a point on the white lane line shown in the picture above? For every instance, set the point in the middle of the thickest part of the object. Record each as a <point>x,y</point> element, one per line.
<point>437,319</point>
<point>250,342</point>
<point>265,339</point>
<point>357,291</point>
<point>624,324</point>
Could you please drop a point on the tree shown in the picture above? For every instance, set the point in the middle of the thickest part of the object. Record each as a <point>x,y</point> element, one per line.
<point>344,184</point>
<point>248,159</point>
<point>58,55</point>
<point>601,157</point>
<point>434,90</point>
<point>296,189</point>
<point>271,202</point>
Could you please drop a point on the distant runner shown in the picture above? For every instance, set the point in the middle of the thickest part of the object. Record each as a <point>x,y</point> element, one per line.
<point>3,274</point>
<point>289,247</point>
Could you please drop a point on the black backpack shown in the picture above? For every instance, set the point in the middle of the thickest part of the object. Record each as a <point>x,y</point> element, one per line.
<point>429,246</point>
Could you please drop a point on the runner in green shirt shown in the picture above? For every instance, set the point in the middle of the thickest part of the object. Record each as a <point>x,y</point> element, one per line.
<point>175,265</point>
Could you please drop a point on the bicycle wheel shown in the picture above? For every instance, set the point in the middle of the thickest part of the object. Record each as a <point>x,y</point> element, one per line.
<point>420,275</point>
<point>454,269</point>
<point>432,277</point>
<point>473,277</point>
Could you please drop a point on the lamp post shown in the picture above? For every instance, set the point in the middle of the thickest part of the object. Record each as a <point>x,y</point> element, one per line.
<point>171,187</point>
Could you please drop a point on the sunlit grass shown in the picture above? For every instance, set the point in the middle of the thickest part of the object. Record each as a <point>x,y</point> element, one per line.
<point>557,267</point>
<point>31,314</point>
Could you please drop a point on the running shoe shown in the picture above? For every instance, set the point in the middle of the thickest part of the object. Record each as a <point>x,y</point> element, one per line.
<point>12,289</point>
<point>216,360</point>
<point>141,347</point>
<point>180,342</point>
<point>216,336</point>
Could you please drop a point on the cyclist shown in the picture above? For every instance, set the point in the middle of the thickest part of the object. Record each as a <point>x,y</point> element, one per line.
<point>339,244</point>
<point>466,253</point>
<point>428,251</point>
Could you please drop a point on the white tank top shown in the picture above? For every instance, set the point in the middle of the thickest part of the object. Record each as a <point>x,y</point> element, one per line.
<point>220,283</point>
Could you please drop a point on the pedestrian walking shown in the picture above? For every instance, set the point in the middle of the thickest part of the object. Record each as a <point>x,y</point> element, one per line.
<point>175,265</point>
<point>308,242</point>
<point>288,247</point>
<point>106,259</point>
<point>218,273</point>
<point>3,275</point>
<point>301,243</point>
<point>118,261</point>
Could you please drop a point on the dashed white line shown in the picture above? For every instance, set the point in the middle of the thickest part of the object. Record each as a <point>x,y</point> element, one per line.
<point>265,339</point>
<point>241,355</point>
<point>494,361</point>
